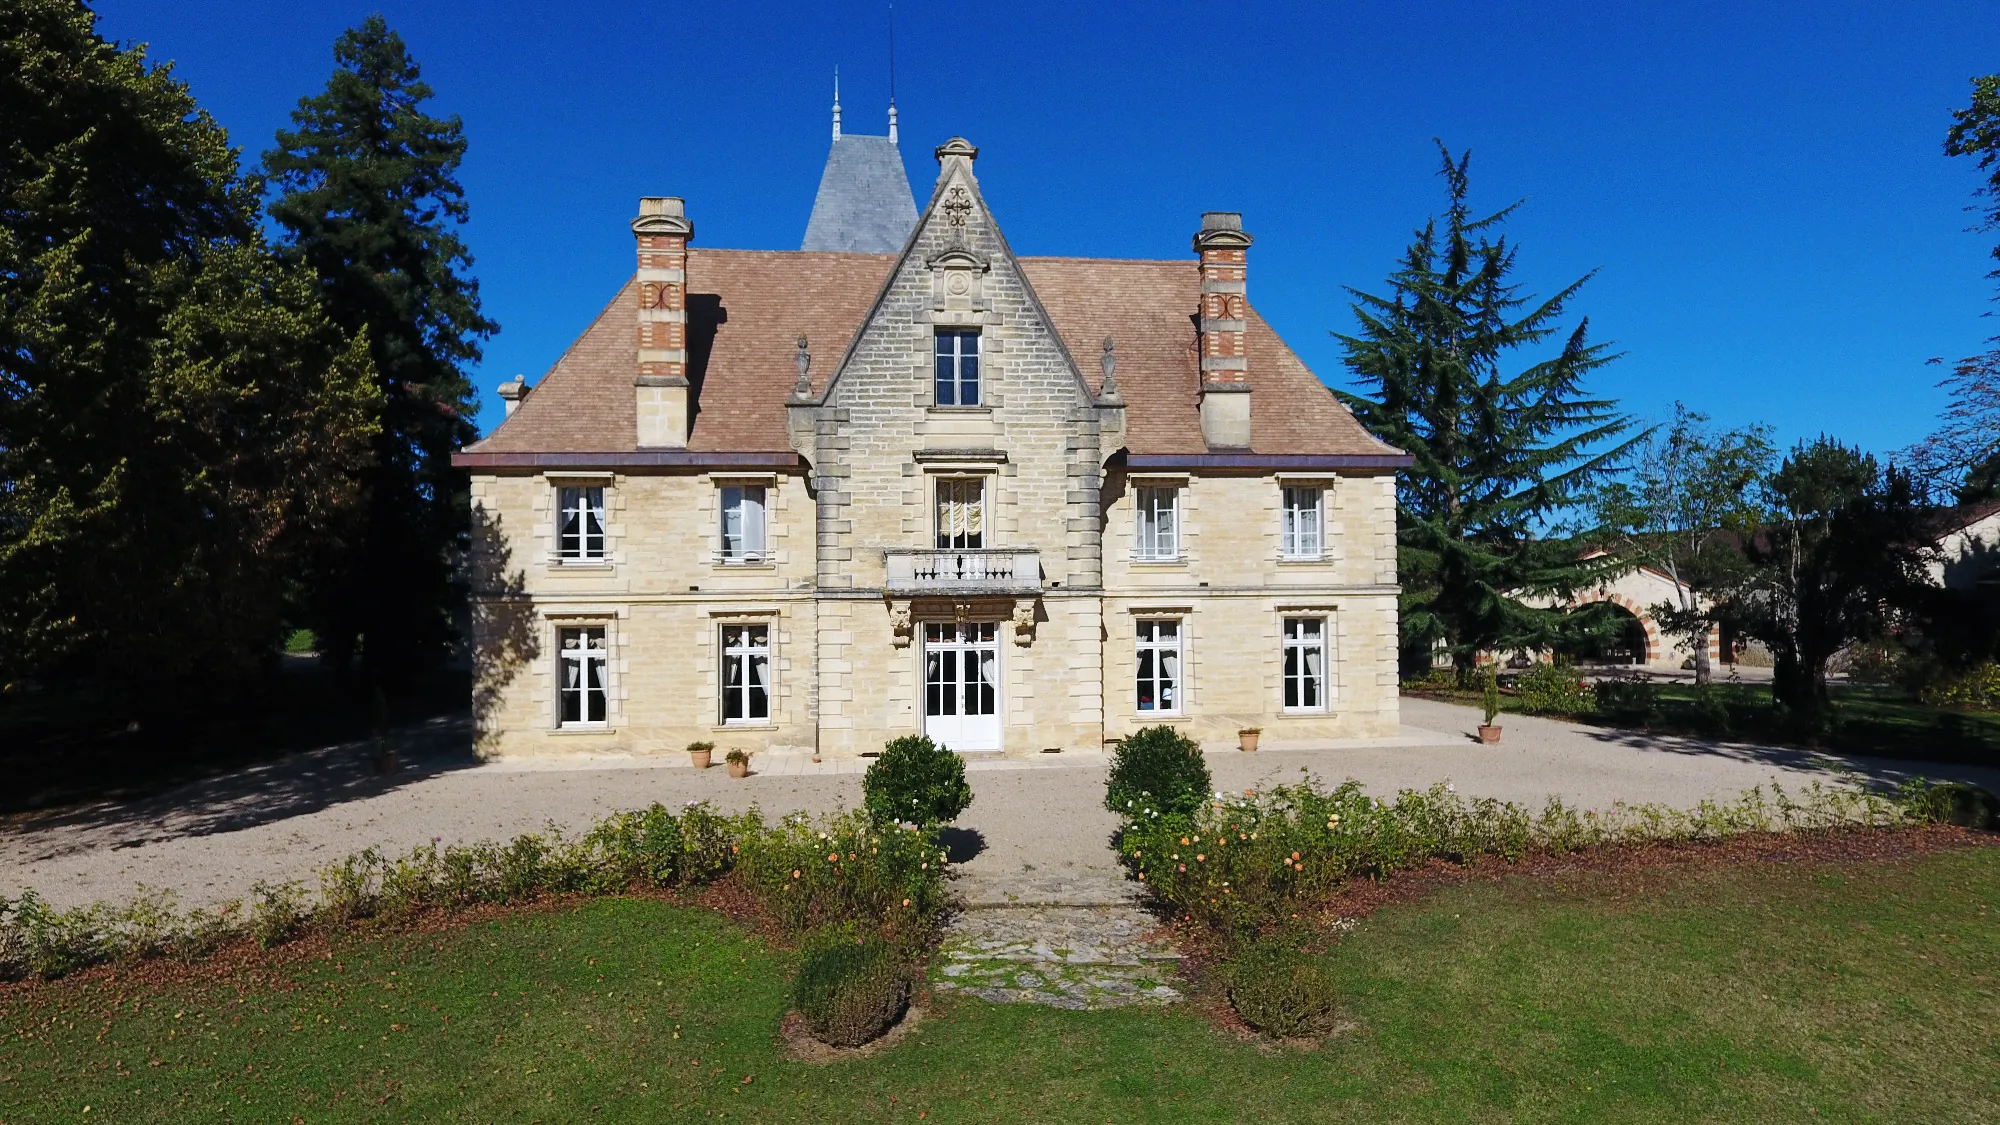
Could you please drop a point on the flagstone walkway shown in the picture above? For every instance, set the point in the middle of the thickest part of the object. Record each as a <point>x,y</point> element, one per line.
<point>1080,940</point>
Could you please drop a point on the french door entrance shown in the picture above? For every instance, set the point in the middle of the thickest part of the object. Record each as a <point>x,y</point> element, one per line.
<point>962,684</point>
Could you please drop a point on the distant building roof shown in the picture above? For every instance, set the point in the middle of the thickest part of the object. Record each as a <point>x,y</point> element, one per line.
<point>864,204</point>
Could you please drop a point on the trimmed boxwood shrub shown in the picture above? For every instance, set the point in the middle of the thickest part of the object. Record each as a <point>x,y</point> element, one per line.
<point>917,781</point>
<point>1283,992</point>
<point>850,988</point>
<point>1157,768</point>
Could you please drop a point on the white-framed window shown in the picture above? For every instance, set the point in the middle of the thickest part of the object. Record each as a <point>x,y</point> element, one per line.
<point>744,523</point>
<point>958,367</point>
<point>1305,663</point>
<point>961,513</point>
<point>583,670</point>
<point>1159,666</point>
<point>580,523</point>
<point>746,673</point>
<point>1301,537</point>
<point>1159,523</point>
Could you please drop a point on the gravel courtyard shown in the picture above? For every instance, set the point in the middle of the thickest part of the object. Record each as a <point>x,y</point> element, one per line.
<point>1035,829</point>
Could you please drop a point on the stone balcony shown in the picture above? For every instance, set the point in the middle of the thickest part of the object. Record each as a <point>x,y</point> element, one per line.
<point>992,571</point>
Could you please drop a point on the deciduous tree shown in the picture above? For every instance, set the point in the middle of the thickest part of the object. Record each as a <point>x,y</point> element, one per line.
<point>180,425</point>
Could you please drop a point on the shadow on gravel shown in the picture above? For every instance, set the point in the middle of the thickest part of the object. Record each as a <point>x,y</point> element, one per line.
<point>293,785</point>
<point>961,844</point>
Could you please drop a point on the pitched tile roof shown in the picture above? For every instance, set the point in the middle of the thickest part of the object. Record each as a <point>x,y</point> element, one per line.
<point>746,309</point>
<point>864,203</point>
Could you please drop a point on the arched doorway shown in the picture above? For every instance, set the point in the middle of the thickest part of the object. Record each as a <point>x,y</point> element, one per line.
<point>1622,646</point>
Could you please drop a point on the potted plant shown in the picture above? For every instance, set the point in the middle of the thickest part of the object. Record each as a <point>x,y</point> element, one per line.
<point>1490,700</point>
<point>739,763</point>
<point>700,753</point>
<point>1246,739</point>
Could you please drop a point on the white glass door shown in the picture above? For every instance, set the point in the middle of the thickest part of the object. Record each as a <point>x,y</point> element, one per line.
<point>962,685</point>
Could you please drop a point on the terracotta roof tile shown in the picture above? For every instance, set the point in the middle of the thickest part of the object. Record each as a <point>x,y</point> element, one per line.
<point>747,308</point>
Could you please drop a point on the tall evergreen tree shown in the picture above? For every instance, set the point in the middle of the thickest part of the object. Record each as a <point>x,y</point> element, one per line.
<point>371,199</point>
<point>179,422</point>
<point>1498,453</point>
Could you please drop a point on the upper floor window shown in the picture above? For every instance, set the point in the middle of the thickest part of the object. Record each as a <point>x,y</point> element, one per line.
<point>958,367</point>
<point>580,524</point>
<point>1301,536</point>
<point>1159,523</point>
<point>961,513</point>
<point>583,664</point>
<point>743,523</point>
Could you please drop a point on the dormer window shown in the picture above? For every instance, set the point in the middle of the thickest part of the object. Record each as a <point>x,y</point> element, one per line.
<point>958,367</point>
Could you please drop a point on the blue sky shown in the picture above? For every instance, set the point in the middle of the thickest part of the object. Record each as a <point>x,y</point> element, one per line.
<point>1761,187</point>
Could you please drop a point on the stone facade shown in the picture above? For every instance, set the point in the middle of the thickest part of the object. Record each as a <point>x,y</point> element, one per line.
<point>856,584</point>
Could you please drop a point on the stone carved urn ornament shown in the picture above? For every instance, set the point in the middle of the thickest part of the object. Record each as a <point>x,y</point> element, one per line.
<point>1246,739</point>
<point>700,753</point>
<point>739,763</point>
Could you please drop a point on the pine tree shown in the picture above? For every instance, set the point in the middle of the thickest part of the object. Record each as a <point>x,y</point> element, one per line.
<point>179,423</point>
<point>1498,455</point>
<point>371,200</point>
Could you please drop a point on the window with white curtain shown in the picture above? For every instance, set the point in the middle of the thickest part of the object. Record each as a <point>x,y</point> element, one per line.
<point>1305,663</point>
<point>580,524</point>
<point>743,523</point>
<point>582,664</point>
<point>1301,538</point>
<point>1159,523</point>
<point>961,513</point>
<point>1159,666</point>
<point>746,673</point>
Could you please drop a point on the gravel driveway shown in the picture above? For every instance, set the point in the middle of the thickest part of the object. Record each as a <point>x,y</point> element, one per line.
<point>1031,828</point>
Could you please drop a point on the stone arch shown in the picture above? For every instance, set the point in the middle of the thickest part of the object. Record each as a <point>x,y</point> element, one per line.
<point>1655,649</point>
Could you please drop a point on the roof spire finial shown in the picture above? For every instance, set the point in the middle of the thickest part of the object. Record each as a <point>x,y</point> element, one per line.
<point>836,102</point>
<point>892,74</point>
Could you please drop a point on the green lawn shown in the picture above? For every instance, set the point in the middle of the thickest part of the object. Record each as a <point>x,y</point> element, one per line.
<point>1757,993</point>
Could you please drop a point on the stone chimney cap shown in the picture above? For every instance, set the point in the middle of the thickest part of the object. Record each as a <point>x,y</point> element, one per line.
<point>1222,220</point>
<point>958,146</point>
<point>662,214</point>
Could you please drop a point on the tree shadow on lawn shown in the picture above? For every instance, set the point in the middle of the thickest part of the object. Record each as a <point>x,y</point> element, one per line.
<point>296,784</point>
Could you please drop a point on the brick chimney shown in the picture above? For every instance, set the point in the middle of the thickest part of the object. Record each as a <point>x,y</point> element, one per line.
<point>1225,386</point>
<point>663,231</point>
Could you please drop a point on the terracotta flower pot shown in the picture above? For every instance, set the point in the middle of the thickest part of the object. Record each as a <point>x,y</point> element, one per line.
<point>1489,735</point>
<point>700,758</point>
<point>1246,740</point>
<point>739,769</point>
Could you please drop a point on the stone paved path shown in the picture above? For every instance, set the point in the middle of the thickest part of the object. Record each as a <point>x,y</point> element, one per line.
<point>1078,941</point>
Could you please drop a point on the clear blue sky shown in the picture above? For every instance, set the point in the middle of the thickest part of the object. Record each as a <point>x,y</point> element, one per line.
<point>1761,186</point>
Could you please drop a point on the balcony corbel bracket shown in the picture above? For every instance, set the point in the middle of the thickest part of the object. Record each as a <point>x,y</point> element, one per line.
<point>900,628</point>
<point>1024,621</point>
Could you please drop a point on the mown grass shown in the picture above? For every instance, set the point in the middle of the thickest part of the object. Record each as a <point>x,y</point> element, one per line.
<point>1773,992</point>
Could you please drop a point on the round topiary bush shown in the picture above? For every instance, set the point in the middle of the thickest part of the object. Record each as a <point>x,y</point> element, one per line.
<point>850,990</point>
<point>1158,766</point>
<point>1283,992</point>
<point>918,781</point>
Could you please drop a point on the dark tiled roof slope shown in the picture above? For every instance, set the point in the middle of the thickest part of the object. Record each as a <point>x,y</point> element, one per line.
<point>864,203</point>
<point>748,307</point>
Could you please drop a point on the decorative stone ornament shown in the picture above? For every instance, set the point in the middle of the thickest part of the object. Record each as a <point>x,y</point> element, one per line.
<point>803,360</point>
<point>958,285</point>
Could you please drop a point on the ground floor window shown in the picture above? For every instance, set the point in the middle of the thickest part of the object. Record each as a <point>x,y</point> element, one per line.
<point>584,661</point>
<point>1159,666</point>
<point>1305,663</point>
<point>746,673</point>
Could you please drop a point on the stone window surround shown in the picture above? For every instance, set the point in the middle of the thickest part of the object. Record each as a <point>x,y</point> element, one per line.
<point>553,622</point>
<point>1330,639</point>
<point>1327,484</point>
<point>550,532</point>
<point>1186,612</point>
<point>769,482</point>
<point>1183,542</point>
<point>766,615</point>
